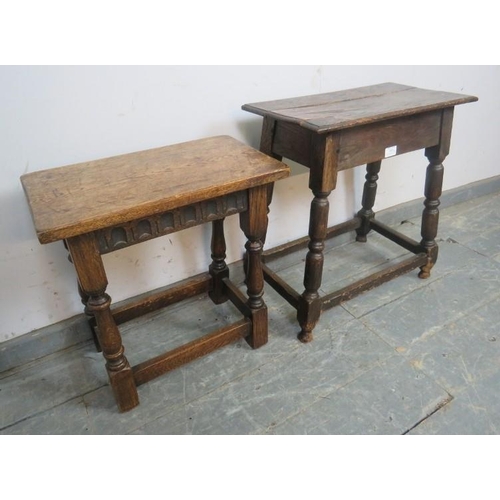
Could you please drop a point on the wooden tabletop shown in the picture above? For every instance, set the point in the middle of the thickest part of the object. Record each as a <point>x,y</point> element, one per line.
<point>76,199</point>
<point>348,108</point>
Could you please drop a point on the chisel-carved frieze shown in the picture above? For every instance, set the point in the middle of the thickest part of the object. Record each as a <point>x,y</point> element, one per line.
<point>130,233</point>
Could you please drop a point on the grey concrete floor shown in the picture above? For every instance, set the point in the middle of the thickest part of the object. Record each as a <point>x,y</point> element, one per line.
<point>409,357</point>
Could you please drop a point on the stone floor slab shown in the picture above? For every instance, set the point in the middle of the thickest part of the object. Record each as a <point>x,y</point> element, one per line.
<point>462,353</point>
<point>466,221</point>
<point>280,389</point>
<point>475,411</point>
<point>69,418</point>
<point>488,243</point>
<point>410,318</point>
<point>50,382</point>
<point>411,355</point>
<point>389,399</point>
<point>452,256</point>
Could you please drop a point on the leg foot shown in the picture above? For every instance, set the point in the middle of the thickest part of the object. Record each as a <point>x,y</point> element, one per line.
<point>124,389</point>
<point>305,337</point>
<point>308,314</point>
<point>425,271</point>
<point>258,337</point>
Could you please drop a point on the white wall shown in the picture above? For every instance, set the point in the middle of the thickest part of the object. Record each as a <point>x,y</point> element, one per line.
<point>53,116</point>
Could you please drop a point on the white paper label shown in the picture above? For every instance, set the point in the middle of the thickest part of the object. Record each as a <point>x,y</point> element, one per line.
<point>391,151</point>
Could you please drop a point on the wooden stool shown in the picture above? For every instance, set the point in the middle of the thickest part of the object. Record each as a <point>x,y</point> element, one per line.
<point>340,130</point>
<point>103,205</point>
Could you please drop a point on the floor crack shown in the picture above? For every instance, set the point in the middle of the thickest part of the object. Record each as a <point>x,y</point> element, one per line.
<point>447,400</point>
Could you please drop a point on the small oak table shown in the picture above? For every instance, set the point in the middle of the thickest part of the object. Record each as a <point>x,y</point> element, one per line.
<point>108,204</point>
<point>340,130</point>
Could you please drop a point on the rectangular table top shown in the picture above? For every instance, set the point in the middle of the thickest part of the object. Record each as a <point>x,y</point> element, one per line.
<point>77,199</point>
<point>349,108</point>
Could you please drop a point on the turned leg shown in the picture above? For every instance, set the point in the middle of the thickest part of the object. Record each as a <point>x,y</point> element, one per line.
<point>254,223</point>
<point>218,268</point>
<point>433,187</point>
<point>430,214</point>
<point>309,309</point>
<point>322,181</point>
<point>92,278</point>
<point>368,200</point>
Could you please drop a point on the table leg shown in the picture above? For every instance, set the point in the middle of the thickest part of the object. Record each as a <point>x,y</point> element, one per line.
<point>368,200</point>
<point>253,222</point>
<point>218,268</point>
<point>92,278</point>
<point>309,309</point>
<point>430,214</point>
<point>433,188</point>
<point>322,181</point>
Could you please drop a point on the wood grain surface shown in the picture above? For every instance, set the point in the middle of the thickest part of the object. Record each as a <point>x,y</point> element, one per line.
<point>77,199</point>
<point>347,108</point>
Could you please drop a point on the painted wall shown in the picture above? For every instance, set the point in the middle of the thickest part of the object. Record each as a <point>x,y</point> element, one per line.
<point>53,116</point>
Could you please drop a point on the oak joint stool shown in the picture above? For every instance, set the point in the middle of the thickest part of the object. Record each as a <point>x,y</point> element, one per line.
<point>341,130</point>
<point>104,205</point>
